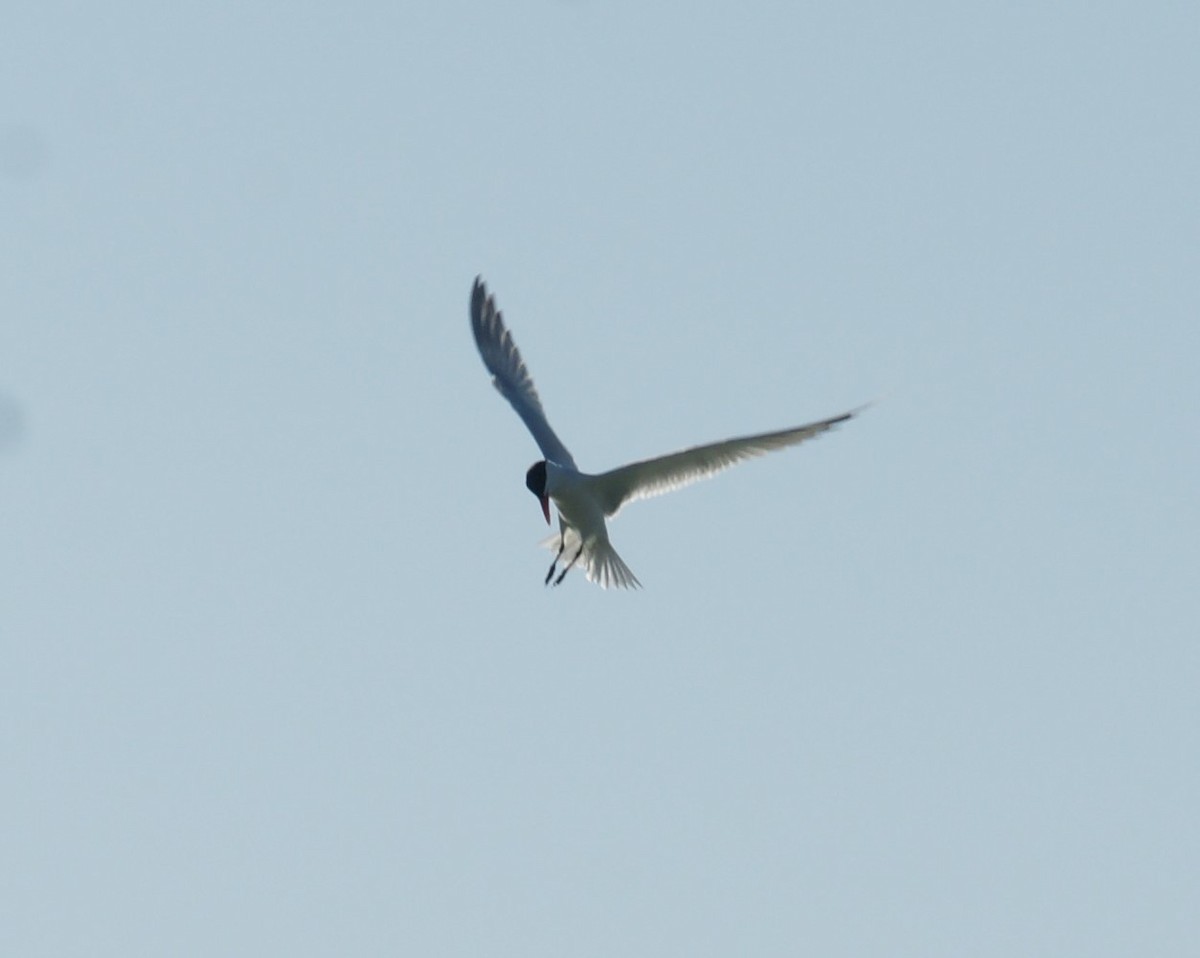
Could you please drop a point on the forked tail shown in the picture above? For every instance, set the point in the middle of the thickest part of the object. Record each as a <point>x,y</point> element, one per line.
<point>606,568</point>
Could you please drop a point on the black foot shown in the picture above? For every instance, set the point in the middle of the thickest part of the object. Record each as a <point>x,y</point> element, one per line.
<point>561,545</point>
<point>562,575</point>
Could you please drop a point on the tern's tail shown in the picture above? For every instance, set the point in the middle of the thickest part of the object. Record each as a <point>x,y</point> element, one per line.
<point>607,568</point>
<point>599,560</point>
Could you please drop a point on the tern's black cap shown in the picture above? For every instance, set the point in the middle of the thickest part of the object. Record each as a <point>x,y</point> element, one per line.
<point>535,479</point>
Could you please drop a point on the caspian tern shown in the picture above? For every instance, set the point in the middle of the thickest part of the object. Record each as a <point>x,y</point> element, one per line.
<point>584,500</point>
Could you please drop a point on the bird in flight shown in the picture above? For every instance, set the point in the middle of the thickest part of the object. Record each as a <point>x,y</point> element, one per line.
<point>584,500</point>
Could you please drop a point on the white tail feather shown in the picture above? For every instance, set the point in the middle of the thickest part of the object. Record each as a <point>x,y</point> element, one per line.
<point>607,568</point>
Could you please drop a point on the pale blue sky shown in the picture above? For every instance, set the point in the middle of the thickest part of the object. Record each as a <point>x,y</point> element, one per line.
<point>278,674</point>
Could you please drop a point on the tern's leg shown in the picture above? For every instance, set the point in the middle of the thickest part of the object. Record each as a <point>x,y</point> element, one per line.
<point>562,575</point>
<point>562,543</point>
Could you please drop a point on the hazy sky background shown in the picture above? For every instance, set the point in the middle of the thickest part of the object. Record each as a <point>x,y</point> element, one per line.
<point>278,674</point>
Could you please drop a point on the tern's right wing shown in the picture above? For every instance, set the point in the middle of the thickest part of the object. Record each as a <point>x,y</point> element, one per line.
<point>509,374</point>
<point>640,480</point>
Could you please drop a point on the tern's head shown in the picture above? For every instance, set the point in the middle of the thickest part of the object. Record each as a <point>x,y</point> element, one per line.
<point>535,482</point>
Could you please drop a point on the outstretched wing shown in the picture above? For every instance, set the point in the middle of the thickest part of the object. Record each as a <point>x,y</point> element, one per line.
<point>509,375</point>
<point>640,480</point>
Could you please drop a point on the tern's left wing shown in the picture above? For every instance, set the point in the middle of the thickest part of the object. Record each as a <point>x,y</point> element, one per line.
<point>509,374</point>
<point>640,480</point>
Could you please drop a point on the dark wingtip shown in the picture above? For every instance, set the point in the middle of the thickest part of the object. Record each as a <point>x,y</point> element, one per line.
<point>852,414</point>
<point>481,306</point>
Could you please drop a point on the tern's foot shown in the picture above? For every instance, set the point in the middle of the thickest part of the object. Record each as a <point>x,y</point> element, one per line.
<point>567,568</point>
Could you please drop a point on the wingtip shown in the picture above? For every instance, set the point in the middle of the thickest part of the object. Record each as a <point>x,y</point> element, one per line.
<point>852,414</point>
<point>482,304</point>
